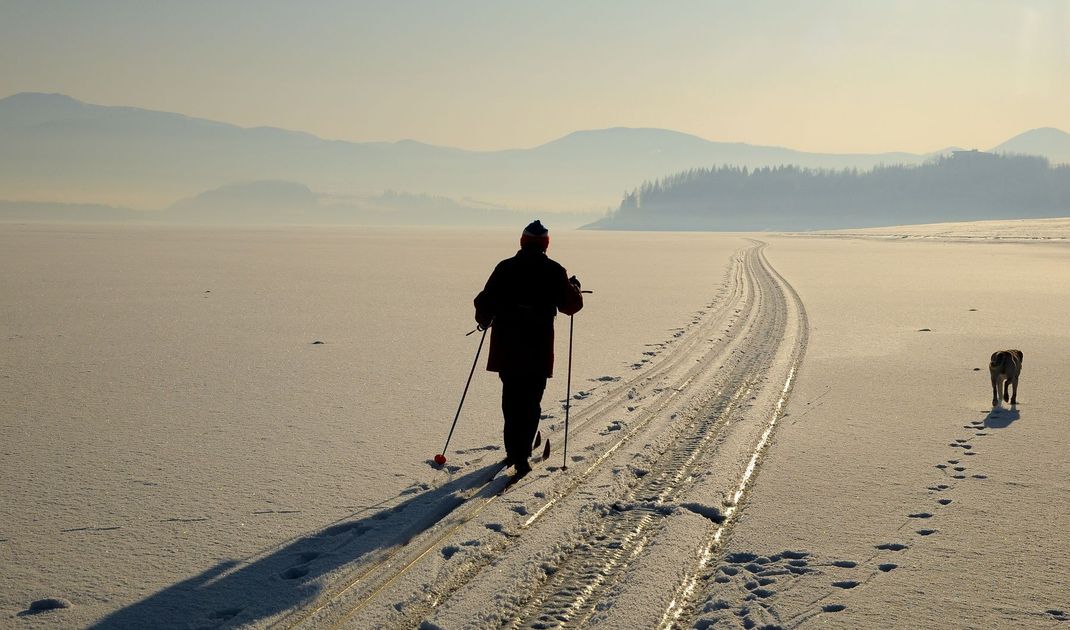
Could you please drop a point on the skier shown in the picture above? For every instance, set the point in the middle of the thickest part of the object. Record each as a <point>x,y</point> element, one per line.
<point>519,303</point>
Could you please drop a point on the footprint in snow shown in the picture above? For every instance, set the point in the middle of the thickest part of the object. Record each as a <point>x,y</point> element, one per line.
<point>944,501</point>
<point>45,605</point>
<point>846,584</point>
<point>926,532</point>
<point>891,547</point>
<point>887,566</point>
<point>353,529</point>
<point>226,613</point>
<point>294,573</point>
<point>833,608</point>
<point>845,564</point>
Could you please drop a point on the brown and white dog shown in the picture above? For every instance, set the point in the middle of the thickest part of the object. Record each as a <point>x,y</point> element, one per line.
<point>1005,367</point>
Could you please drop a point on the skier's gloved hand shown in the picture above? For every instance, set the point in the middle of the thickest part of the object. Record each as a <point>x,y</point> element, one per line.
<point>574,281</point>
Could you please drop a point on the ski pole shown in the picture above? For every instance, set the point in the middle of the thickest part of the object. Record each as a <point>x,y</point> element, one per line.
<point>568,388</point>
<point>568,391</point>
<point>440,459</point>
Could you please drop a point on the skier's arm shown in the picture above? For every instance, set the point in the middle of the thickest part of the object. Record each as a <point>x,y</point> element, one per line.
<point>485,302</point>
<point>570,300</point>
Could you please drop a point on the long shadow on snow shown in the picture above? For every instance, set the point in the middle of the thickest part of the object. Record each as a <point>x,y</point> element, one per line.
<point>237,593</point>
<point>1000,418</point>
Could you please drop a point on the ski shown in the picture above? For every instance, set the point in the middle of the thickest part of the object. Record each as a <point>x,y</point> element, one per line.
<point>516,477</point>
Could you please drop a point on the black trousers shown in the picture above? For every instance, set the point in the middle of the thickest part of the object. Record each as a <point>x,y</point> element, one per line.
<point>521,406</point>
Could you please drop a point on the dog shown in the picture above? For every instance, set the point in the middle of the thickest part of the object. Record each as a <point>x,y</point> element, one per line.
<point>1005,366</point>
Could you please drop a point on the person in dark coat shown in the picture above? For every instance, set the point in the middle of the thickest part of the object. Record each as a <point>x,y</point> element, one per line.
<point>519,304</point>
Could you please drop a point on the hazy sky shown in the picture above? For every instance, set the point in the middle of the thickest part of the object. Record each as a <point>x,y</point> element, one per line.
<point>853,75</point>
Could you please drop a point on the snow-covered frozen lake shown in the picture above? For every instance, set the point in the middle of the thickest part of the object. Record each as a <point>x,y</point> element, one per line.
<point>178,451</point>
<point>164,407</point>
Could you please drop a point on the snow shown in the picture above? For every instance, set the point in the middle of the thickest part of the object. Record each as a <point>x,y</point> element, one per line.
<point>179,452</point>
<point>879,405</point>
<point>168,422</point>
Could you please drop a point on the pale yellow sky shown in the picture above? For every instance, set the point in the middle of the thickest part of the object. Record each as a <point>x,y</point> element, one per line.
<point>831,76</point>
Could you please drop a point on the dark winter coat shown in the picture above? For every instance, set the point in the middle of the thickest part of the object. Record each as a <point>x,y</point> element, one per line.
<point>522,298</point>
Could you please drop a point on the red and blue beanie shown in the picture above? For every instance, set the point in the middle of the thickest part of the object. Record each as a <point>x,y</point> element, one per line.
<point>535,236</point>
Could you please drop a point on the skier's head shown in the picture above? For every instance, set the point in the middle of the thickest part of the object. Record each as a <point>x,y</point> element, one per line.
<point>535,236</point>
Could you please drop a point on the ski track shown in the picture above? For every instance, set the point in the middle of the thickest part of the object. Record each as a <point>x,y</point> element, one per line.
<point>648,438</point>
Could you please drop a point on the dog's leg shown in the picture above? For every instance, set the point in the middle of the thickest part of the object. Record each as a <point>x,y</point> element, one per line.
<point>1006,389</point>
<point>995,390</point>
<point>1014,392</point>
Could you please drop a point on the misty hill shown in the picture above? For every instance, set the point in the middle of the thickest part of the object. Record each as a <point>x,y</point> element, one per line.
<point>966,186</point>
<point>1049,142</point>
<point>56,148</point>
<point>289,203</point>
<point>281,202</point>
<point>250,202</point>
<point>43,211</point>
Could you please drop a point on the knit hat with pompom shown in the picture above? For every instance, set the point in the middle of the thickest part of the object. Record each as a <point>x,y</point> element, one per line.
<point>535,236</point>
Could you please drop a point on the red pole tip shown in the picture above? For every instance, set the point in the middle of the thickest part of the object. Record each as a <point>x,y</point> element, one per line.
<point>440,459</point>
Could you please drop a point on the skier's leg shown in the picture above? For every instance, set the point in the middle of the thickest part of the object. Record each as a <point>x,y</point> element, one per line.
<point>513,411</point>
<point>521,407</point>
<point>534,386</point>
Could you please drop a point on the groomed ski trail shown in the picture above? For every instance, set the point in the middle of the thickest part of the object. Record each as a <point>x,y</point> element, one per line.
<point>572,536</point>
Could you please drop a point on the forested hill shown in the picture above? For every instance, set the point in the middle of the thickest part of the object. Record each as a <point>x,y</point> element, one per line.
<point>965,186</point>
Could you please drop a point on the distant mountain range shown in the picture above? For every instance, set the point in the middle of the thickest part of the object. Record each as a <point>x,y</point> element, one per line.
<point>56,149</point>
